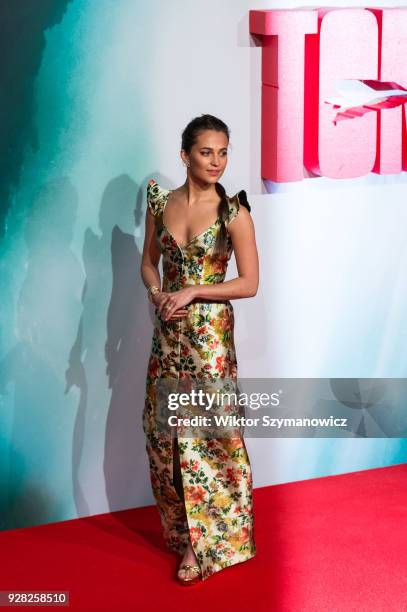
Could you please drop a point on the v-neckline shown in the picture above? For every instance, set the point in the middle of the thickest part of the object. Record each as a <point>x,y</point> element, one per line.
<point>182,246</point>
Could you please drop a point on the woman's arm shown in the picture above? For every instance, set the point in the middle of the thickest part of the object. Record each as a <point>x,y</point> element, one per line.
<point>151,254</point>
<point>242,233</point>
<point>149,266</point>
<point>241,230</point>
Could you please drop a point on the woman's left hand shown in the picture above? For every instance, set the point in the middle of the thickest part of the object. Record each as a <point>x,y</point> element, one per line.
<point>175,300</point>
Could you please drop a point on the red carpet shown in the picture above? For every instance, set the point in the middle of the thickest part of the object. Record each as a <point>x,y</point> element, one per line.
<point>334,544</point>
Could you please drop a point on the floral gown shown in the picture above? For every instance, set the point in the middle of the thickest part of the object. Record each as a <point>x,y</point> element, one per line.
<point>217,513</point>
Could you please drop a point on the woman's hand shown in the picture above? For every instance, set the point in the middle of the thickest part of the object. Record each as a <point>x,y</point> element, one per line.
<point>160,297</point>
<point>171,304</point>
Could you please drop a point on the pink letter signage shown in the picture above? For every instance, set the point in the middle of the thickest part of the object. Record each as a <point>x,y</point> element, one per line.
<point>305,53</point>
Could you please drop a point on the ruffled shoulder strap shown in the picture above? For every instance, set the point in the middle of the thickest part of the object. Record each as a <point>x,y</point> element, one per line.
<point>155,197</point>
<point>235,202</point>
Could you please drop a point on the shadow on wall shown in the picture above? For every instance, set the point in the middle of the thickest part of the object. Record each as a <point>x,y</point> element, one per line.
<point>112,263</point>
<point>22,27</point>
<point>87,444</point>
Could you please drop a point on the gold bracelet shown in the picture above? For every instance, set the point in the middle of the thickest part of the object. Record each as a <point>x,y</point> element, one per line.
<point>151,291</point>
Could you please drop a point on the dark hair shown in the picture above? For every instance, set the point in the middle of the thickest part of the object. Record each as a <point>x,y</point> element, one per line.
<point>189,137</point>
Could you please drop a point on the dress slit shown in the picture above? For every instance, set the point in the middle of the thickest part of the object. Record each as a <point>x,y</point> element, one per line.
<point>176,471</point>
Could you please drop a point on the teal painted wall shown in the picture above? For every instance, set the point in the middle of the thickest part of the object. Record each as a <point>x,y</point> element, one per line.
<point>79,133</point>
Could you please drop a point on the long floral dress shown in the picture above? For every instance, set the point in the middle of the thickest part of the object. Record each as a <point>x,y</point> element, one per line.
<point>217,513</point>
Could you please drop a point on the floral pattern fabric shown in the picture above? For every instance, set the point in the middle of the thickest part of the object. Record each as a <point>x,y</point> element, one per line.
<point>217,511</point>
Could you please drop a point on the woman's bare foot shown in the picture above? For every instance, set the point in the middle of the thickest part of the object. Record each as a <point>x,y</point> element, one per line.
<point>189,558</point>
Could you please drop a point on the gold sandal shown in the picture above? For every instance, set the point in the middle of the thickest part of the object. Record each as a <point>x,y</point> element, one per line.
<point>189,581</point>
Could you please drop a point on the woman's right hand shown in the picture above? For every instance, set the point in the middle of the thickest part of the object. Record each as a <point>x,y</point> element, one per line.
<point>158,297</point>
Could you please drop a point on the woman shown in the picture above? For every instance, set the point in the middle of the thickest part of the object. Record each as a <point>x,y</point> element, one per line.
<point>203,487</point>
